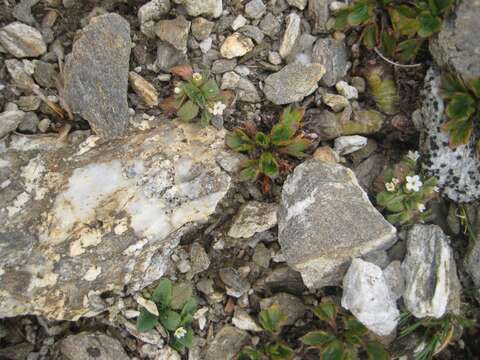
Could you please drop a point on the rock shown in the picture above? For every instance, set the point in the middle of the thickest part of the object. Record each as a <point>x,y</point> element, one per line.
<point>199,259</point>
<point>346,90</point>
<point>320,205</point>
<point>345,145</point>
<point>167,353</point>
<point>252,32</point>
<point>255,9</point>
<point>238,22</point>
<point>299,4</point>
<point>20,74</point>
<point>23,11</point>
<point>457,46</point>
<point>89,346</point>
<point>326,154</point>
<point>332,54</point>
<point>367,296</point>
<point>291,35</point>
<point>236,45</point>
<point>175,32</point>
<point>432,285</point>
<point>262,256</point>
<point>205,7</point>
<point>359,83</point>
<point>227,343</point>
<point>29,123</point>
<point>45,74</point>
<point>285,279</point>
<point>290,305</point>
<point>394,279</point>
<point>274,58</point>
<point>96,75</point>
<point>9,120</point>
<point>335,102</point>
<point>317,12</point>
<point>115,213</point>
<point>472,258</point>
<point>222,66</point>
<point>252,218</point>
<point>270,25</point>
<point>236,284</point>
<point>368,170</point>
<point>377,257</point>
<point>201,28</point>
<point>246,90</point>
<point>456,169</point>
<point>22,40</point>
<point>181,292</point>
<point>206,45</point>
<point>144,89</point>
<point>293,83</point>
<point>28,103</point>
<point>151,12</point>
<point>168,56</point>
<point>242,320</point>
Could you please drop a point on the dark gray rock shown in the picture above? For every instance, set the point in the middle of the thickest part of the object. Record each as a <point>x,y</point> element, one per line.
<point>317,12</point>
<point>23,11</point>
<point>332,54</point>
<point>235,283</point>
<point>96,75</point>
<point>91,346</point>
<point>45,74</point>
<point>29,123</point>
<point>290,305</point>
<point>472,260</point>
<point>168,56</point>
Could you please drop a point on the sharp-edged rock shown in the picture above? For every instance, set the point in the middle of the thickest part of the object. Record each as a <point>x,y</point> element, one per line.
<point>227,343</point>
<point>85,346</point>
<point>332,54</point>
<point>22,40</point>
<point>252,218</point>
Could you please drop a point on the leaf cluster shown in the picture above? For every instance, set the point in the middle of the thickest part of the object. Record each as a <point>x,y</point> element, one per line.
<point>266,149</point>
<point>345,338</point>
<point>397,27</point>
<point>171,320</point>
<point>463,107</point>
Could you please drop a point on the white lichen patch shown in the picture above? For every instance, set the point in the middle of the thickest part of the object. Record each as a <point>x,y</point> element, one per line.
<point>89,143</point>
<point>88,238</point>
<point>18,204</point>
<point>92,273</point>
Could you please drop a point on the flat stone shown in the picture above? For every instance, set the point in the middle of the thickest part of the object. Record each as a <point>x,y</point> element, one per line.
<point>367,296</point>
<point>144,89</point>
<point>321,203</point>
<point>201,28</point>
<point>290,305</point>
<point>29,123</point>
<point>255,9</point>
<point>9,120</point>
<point>345,145</point>
<point>151,12</point>
<point>335,102</point>
<point>346,90</point>
<point>317,12</point>
<point>23,11</point>
<point>242,320</point>
<point>85,346</point>
<point>293,83</point>
<point>262,256</point>
<point>252,32</point>
<point>227,343</point>
<point>238,22</point>
<point>332,54</point>
<point>82,220</point>
<point>205,7</point>
<point>181,292</point>
<point>96,75</point>
<point>252,218</point>
<point>285,279</point>
<point>168,56</point>
<point>394,279</point>
<point>235,283</point>
<point>291,35</point>
<point>22,40</point>
<point>175,32</point>
<point>236,45</point>
<point>20,74</point>
<point>472,258</point>
<point>299,4</point>
<point>199,259</point>
<point>45,74</point>
<point>432,285</point>
<point>270,25</point>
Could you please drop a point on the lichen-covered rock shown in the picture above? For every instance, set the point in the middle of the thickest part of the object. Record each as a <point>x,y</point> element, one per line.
<point>457,170</point>
<point>78,222</point>
<point>86,346</point>
<point>252,218</point>
<point>96,75</point>
<point>325,219</point>
<point>432,285</point>
<point>332,54</point>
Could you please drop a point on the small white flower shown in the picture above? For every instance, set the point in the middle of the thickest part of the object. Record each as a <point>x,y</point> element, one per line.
<point>390,186</point>
<point>217,108</point>
<point>395,181</point>
<point>180,333</point>
<point>436,189</point>
<point>421,207</point>
<point>413,155</point>
<point>197,76</point>
<point>177,90</point>
<point>413,183</point>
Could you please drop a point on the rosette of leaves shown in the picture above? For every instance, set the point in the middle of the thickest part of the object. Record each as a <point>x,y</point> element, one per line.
<point>462,110</point>
<point>266,150</point>
<point>345,337</point>
<point>403,205</point>
<point>398,28</point>
<point>195,97</point>
<point>271,320</point>
<point>170,320</point>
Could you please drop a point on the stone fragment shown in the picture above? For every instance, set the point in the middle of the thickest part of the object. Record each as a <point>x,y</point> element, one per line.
<point>367,296</point>
<point>255,9</point>
<point>227,343</point>
<point>168,56</point>
<point>394,279</point>
<point>332,54</point>
<point>270,25</point>
<point>144,89</point>
<point>238,22</point>
<point>345,145</point>
<point>293,83</point>
<point>151,12</point>
<point>23,11</point>
<point>175,32</point>
<point>285,279</point>
<point>22,40</point>
<point>9,120</point>
<point>335,102</point>
<point>96,75</point>
<point>201,28</point>
<point>84,346</point>
<point>20,74</point>
<point>181,292</point>
<point>236,284</point>
<point>299,4</point>
<point>325,219</point>
<point>242,320</point>
<point>262,256</point>
<point>252,32</point>
<point>291,34</point>
<point>290,305</point>
<point>317,12</point>
<point>29,123</point>
<point>45,74</point>
<point>472,258</point>
<point>195,8</point>
<point>326,154</point>
<point>236,45</point>
<point>252,218</point>
<point>346,90</point>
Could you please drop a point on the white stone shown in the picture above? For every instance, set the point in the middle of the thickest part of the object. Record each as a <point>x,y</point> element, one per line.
<point>299,4</point>
<point>242,320</point>
<point>206,45</point>
<point>236,45</point>
<point>394,278</point>
<point>255,9</point>
<point>252,218</point>
<point>345,145</point>
<point>291,35</point>
<point>346,90</point>
<point>238,22</point>
<point>335,102</point>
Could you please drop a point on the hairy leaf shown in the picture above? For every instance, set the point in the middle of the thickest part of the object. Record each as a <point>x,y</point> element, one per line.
<point>369,36</point>
<point>210,89</point>
<point>326,311</point>
<point>376,351</point>
<point>358,13</point>
<point>239,141</point>
<point>278,351</point>
<point>296,147</point>
<point>262,140</point>
<point>250,172</point>
<point>429,25</point>
<point>249,353</point>
<point>475,87</point>
<point>188,111</point>
<point>170,320</point>
<point>268,165</point>
<point>392,201</point>
<point>407,50</point>
<point>162,294</point>
<point>459,131</point>
<point>146,321</point>
<point>272,319</point>
<point>461,106</point>
<point>317,338</point>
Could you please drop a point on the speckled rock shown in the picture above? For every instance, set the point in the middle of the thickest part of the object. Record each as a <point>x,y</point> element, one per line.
<point>325,219</point>
<point>81,221</point>
<point>86,346</point>
<point>252,218</point>
<point>22,40</point>
<point>96,75</point>
<point>332,54</point>
<point>457,170</point>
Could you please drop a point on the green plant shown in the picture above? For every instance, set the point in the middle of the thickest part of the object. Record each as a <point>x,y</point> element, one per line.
<point>383,88</point>
<point>267,149</point>
<point>344,339</point>
<point>397,27</point>
<point>198,95</point>
<point>177,324</point>
<point>271,320</point>
<point>405,194</point>
<point>463,107</point>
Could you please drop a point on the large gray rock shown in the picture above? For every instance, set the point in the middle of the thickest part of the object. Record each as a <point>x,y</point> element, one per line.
<point>332,54</point>
<point>293,83</point>
<point>325,220</point>
<point>78,222</point>
<point>456,169</point>
<point>457,45</point>
<point>91,346</point>
<point>96,75</point>
<point>432,285</point>
<point>22,40</point>
<point>367,295</point>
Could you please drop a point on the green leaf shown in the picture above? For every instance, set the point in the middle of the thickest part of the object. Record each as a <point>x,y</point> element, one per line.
<point>355,326</point>
<point>239,141</point>
<point>189,307</point>
<point>451,86</point>
<point>187,340</point>
<point>188,111</point>
<point>206,118</point>
<point>392,201</point>
<point>292,117</point>
<point>317,338</point>
<point>429,25</point>
<point>268,165</point>
<point>170,320</point>
<point>442,5</point>
<point>358,14</point>
<point>186,320</point>
<point>250,173</point>
<point>272,319</point>
<point>262,140</point>
<point>341,19</point>
<point>388,43</point>
<point>194,94</point>
<point>249,353</point>
<point>334,350</point>
<point>162,294</point>
<point>326,311</point>
<point>376,351</point>
<point>404,20</point>
<point>369,36</point>
<point>287,127</point>
<point>296,147</point>
<point>407,50</point>
<point>461,106</point>
<point>146,321</point>
<point>278,351</point>
<point>210,89</point>
<point>459,131</point>
<point>475,87</point>
<point>399,218</point>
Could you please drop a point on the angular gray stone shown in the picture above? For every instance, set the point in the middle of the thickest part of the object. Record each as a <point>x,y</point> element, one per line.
<point>270,25</point>
<point>90,346</point>
<point>293,83</point>
<point>317,12</point>
<point>202,28</point>
<point>255,9</point>
<point>204,7</point>
<point>96,75</point>
<point>199,258</point>
<point>367,296</point>
<point>235,283</point>
<point>45,74</point>
<point>332,54</point>
<point>290,305</point>
<point>23,11</point>
<point>253,217</point>
<point>432,285</point>
<point>457,45</point>
<point>168,56</point>
<point>291,34</point>
<point>81,221</point>
<point>472,260</point>
<point>22,40</point>
<point>299,4</point>
<point>151,12</point>
<point>175,32</point>
<point>394,278</point>
<point>227,343</point>
<point>325,219</point>
<point>242,320</point>
<point>9,120</point>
